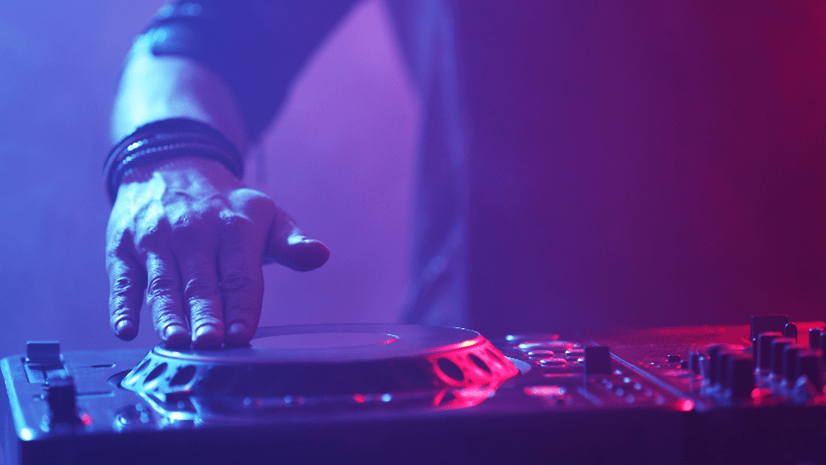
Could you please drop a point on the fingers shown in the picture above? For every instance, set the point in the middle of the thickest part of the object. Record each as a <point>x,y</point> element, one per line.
<point>127,282</point>
<point>242,281</point>
<point>163,294</point>
<point>202,295</point>
<point>290,247</point>
<point>194,247</point>
<point>200,263</point>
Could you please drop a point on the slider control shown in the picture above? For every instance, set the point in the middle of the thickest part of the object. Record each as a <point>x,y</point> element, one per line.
<point>44,353</point>
<point>597,360</point>
<point>61,398</point>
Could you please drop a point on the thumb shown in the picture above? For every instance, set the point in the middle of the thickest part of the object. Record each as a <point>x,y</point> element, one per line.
<point>288,246</point>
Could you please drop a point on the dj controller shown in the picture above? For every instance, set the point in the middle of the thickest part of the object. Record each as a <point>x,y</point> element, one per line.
<point>417,394</point>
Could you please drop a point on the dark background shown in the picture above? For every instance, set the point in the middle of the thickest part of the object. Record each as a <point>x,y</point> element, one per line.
<point>688,184</point>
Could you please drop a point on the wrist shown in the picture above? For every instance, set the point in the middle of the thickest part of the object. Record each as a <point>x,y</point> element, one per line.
<point>165,143</point>
<point>179,167</point>
<point>196,177</point>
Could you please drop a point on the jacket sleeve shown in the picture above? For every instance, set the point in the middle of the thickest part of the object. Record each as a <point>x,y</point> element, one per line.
<point>256,46</point>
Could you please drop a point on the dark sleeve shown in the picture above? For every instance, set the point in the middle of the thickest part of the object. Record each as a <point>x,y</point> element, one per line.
<point>256,46</point>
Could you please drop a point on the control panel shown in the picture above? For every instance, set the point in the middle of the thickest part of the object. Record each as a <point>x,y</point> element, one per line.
<point>711,394</point>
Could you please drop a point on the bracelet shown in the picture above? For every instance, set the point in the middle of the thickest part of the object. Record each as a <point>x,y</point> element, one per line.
<point>166,139</point>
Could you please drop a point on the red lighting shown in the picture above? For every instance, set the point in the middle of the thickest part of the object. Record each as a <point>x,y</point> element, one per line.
<point>359,398</point>
<point>685,405</point>
<point>760,394</point>
<point>86,419</point>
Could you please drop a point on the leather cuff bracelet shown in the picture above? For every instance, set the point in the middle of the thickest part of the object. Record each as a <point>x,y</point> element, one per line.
<point>164,140</point>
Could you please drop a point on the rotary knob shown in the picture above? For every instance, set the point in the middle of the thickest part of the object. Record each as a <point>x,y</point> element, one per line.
<point>740,376</point>
<point>814,338</point>
<point>790,368</point>
<point>713,356</point>
<point>764,350</point>
<point>778,346</point>
<point>717,355</point>
<point>810,363</point>
<point>790,330</point>
<point>694,357</point>
<point>723,376</point>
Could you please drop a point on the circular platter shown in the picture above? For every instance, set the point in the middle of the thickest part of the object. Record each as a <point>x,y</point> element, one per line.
<point>315,365</point>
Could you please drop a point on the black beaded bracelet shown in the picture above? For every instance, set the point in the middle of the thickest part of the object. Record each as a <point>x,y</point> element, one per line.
<point>164,140</point>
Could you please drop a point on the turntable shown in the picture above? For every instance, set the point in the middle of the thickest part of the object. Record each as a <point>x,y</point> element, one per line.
<point>318,367</point>
<point>408,394</point>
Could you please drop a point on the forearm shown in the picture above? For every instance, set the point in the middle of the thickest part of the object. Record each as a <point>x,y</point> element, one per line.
<point>184,231</point>
<point>154,88</point>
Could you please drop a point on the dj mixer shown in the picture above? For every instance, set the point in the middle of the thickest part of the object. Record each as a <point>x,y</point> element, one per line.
<point>419,394</point>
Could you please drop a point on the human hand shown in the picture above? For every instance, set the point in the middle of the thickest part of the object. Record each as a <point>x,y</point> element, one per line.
<point>194,238</point>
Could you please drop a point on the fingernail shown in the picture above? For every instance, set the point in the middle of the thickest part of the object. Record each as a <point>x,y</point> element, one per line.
<point>203,330</point>
<point>123,326</point>
<point>207,337</point>
<point>237,328</point>
<point>175,333</point>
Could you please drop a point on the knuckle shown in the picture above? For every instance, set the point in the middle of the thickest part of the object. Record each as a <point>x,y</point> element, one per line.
<point>260,200</point>
<point>196,225</point>
<point>124,286</point>
<point>116,239</point>
<point>118,307</point>
<point>200,319</point>
<point>177,196</point>
<point>190,226</point>
<point>200,286</point>
<point>166,318</point>
<point>184,222</point>
<point>254,203</point>
<point>150,236</point>
<point>246,195</point>
<point>119,245</point>
<point>161,286</point>
<point>120,314</point>
<point>237,225</point>
<point>239,281</point>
